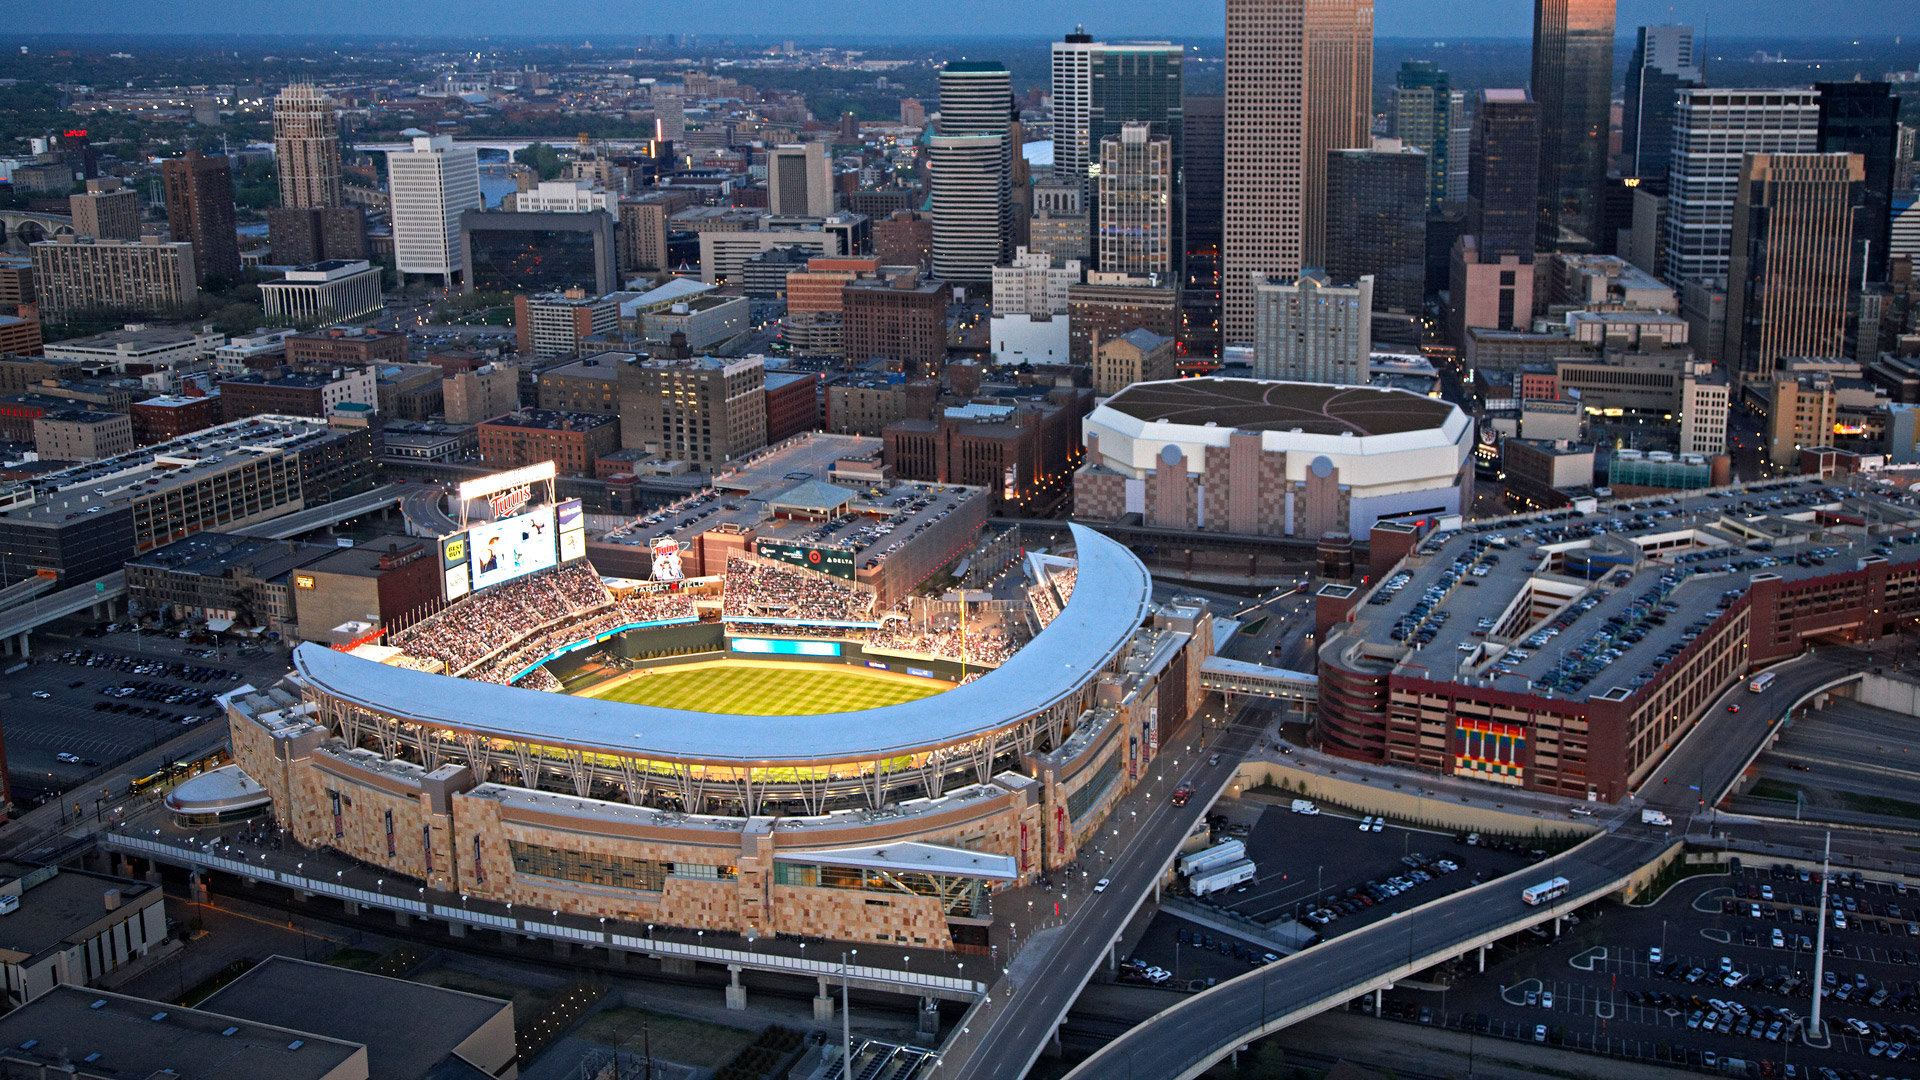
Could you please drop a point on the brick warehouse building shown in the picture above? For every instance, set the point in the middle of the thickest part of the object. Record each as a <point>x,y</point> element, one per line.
<point>903,319</point>
<point>572,441</point>
<point>1657,621</point>
<point>352,345</point>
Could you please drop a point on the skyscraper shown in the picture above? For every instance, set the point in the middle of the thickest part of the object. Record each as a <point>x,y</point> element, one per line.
<point>1299,83</point>
<point>1503,174</point>
<point>1712,131</point>
<point>1793,220</point>
<point>1573,82</point>
<point>1136,233</point>
<point>1422,107</point>
<point>799,180</point>
<point>1072,96</point>
<point>1663,64</point>
<point>970,171</point>
<point>1377,222</point>
<point>429,187</point>
<point>200,211</point>
<point>1100,87</point>
<point>1864,118</point>
<point>306,147</point>
<point>1310,330</point>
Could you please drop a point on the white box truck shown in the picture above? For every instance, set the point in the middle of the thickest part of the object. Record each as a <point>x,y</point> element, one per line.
<point>1225,877</point>
<point>1218,855</point>
<point>1655,817</point>
<point>1305,806</point>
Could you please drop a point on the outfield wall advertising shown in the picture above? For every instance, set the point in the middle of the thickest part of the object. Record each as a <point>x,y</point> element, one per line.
<point>776,647</point>
<point>504,550</point>
<point>833,561</point>
<point>572,523</point>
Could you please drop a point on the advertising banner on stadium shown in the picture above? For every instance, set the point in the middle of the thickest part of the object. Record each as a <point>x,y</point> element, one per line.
<point>826,560</point>
<point>572,523</point>
<point>666,559</point>
<point>504,550</point>
<point>453,565</point>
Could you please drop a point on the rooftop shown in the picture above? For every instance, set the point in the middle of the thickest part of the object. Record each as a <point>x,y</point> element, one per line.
<point>601,365</point>
<point>124,342</point>
<point>407,1027</point>
<point>551,420</point>
<point>101,1034</point>
<point>57,910</point>
<point>363,560</point>
<point>1586,606</point>
<point>1255,405</point>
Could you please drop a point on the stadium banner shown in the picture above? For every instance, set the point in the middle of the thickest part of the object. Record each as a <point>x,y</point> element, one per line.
<point>666,559</point>
<point>920,671</point>
<point>833,561</point>
<point>504,550</point>
<point>572,523</point>
<point>773,647</point>
<point>458,583</point>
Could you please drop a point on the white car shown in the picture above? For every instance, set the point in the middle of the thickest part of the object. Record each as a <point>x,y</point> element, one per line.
<point>1366,823</point>
<point>1379,823</point>
<point>1546,999</point>
<point>42,694</point>
<point>71,759</point>
<point>1101,885</point>
<point>1654,955</point>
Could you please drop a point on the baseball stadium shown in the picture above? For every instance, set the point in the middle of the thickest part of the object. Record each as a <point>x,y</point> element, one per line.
<point>781,747</point>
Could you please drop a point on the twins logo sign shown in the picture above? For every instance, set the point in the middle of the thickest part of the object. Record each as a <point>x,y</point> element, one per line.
<point>508,503</point>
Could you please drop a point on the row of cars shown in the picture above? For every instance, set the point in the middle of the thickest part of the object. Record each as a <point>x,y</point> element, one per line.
<point>1420,870</point>
<point>133,665</point>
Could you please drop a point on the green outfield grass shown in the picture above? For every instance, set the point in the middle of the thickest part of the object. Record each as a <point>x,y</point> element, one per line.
<point>761,691</point>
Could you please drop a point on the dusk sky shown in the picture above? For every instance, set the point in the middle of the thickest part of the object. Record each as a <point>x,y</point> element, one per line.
<point>847,19</point>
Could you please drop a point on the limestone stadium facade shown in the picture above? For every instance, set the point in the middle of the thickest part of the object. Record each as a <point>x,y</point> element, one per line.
<point>761,752</point>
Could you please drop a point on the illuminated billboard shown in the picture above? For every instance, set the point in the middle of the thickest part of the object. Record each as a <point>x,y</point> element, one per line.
<point>504,550</point>
<point>453,566</point>
<point>572,524</point>
<point>783,647</point>
<point>835,561</point>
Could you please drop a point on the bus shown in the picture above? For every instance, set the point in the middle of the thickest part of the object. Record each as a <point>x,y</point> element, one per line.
<point>1545,891</point>
<point>1761,682</point>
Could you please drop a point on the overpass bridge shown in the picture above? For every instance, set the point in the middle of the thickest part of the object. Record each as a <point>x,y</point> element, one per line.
<point>39,609</point>
<point>1189,1038</point>
<point>288,526</point>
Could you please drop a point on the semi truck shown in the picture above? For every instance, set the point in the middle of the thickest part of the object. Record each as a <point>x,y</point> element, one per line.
<point>1225,877</point>
<point>1218,855</point>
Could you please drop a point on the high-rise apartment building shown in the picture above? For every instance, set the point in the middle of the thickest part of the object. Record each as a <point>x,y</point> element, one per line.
<point>1793,232</point>
<point>1072,99</point>
<point>1664,63</point>
<point>1713,130</point>
<point>116,277</point>
<point>1864,118</point>
<point>1377,222</point>
<point>1421,106</point>
<point>1299,83</point>
<point>200,212</point>
<point>800,180</point>
<point>308,234</point>
<point>1310,330</point>
<point>428,188</point>
<point>555,323</point>
<point>1573,83</point>
<point>970,171</point>
<point>1034,284</point>
<point>107,211</point>
<point>1136,202</point>
<point>306,147</point>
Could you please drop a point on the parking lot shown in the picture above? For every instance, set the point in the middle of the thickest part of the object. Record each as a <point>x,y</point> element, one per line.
<point>1718,976</point>
<point>60,705</point>
<point>1321,863</point>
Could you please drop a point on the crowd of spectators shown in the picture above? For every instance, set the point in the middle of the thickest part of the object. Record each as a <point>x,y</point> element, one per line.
<point>476,627</point>
<point>990,645</point>
<point>640,608</point>
<point>767,591</point>
<point>540,679</point>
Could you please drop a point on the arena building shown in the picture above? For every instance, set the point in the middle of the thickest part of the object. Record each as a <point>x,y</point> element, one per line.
<point>1567,652</point>
<point>769,750</point>
<point>1260,458</point>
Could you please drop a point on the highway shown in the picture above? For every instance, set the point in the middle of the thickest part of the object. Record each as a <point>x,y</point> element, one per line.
<point>420,505</point>
<point>1015,1031</point>
<point>1186,1039</point>
<point>291,525</point>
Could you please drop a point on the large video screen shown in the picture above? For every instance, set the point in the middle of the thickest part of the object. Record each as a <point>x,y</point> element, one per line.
<point>504,550</point>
